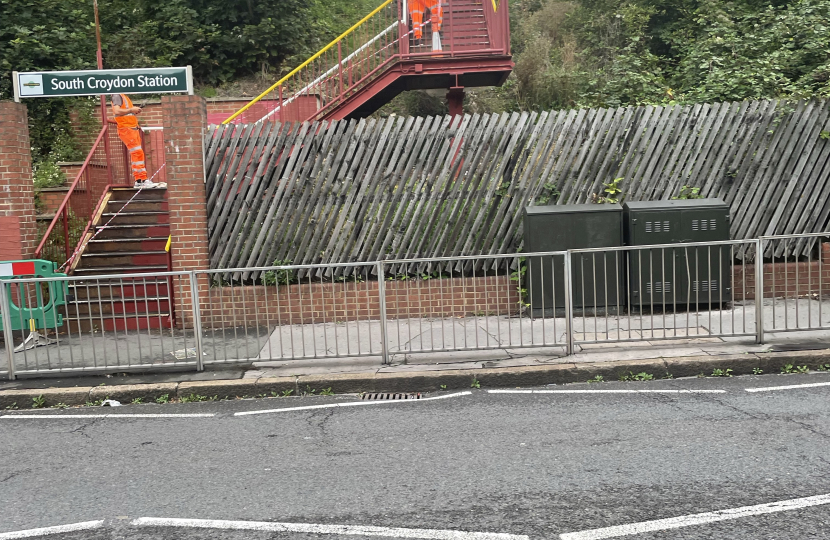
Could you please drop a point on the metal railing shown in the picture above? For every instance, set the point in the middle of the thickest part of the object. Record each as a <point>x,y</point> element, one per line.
<point>660,292</point>
<point>291,312</point>
<point>108,324</point>
<point>795,281</point>
<point>557,301</point>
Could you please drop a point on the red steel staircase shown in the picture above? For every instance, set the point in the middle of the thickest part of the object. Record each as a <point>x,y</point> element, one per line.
<point>380,57</point>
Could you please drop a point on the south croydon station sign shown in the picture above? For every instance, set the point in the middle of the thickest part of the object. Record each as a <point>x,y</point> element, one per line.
<point>102,81</point>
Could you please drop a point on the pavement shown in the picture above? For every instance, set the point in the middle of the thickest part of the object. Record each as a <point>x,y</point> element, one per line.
<point>663,459</point>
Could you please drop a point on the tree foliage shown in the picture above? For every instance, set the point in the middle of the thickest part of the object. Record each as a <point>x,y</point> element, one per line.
<point>222,40</point>
<point>610,53</point>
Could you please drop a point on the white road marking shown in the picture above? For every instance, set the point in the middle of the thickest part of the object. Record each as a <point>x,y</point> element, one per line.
<point>314,528</point>
<point>352,404</point>
<point>607,391</point>
<point>30,533</point>
<point>115,415</point>
<point>697,519</point>
<point>788,387</point>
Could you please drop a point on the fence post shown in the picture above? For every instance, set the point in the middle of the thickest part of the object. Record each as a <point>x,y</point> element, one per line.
<point>569,335</point>
<point>197,320</point>
<point>384,346</point>
<point>759,290</point>
<point>8,334</point>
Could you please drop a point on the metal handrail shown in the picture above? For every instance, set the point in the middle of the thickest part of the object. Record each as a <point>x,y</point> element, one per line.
<point>63,207</point>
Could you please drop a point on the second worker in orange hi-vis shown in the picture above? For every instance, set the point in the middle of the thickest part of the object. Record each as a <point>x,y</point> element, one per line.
<point>417,12</point>
<point>130,134</point>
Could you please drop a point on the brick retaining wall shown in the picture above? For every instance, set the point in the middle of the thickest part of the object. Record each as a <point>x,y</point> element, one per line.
<point>786,279</point>
<point>336,302</point>
<point>252,305</point>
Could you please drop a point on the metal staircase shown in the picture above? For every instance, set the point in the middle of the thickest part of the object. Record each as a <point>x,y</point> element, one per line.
<point>381,56</point>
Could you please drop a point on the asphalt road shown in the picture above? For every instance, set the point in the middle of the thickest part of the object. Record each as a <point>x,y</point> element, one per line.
<point>536,465</point>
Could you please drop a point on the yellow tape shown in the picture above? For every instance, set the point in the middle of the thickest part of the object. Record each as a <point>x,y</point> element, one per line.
<point>32,326</point>
<point>496,5</point>
<point>169,241</point>
<point>307,62</point>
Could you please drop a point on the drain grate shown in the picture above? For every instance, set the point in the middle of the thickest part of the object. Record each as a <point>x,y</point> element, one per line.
<point>388,395</point>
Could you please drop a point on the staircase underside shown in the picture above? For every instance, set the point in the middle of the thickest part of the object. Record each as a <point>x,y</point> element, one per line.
<point>422,74</point>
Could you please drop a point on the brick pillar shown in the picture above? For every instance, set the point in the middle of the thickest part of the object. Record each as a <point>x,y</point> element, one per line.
<point>18,228</point>
<point>185,123</point>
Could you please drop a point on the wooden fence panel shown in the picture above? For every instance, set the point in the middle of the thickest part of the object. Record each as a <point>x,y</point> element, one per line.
<point>398,188</point>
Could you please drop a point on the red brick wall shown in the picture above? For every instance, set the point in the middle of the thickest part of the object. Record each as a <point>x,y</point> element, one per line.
<point>17,198</point>
<point>184,127</point>
<point>51,199</point>
<point>786,279</point>
<point>336,302</point>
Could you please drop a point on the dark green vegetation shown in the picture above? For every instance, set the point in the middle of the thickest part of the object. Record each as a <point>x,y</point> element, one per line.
<point>607,53</point>
<point>224,40</point>
<point>568,54</point>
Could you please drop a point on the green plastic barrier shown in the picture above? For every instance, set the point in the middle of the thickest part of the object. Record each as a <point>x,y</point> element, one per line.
<point>44,313</point>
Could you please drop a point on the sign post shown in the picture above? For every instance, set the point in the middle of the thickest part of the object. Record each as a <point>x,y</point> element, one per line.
<point>102,82</point>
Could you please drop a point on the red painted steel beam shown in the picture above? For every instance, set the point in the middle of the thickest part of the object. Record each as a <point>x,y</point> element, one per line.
<point>425,66</point>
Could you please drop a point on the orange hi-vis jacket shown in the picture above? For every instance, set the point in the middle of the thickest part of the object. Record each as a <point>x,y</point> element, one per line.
<point>128,120</point>
<point>417,10</point>
<point>130,135</point>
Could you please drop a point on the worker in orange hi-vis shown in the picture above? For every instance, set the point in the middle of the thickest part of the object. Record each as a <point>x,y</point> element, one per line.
<point>436,14</point>
<point>130,134</point>
<point>417,8</point>
<point>417,11</point>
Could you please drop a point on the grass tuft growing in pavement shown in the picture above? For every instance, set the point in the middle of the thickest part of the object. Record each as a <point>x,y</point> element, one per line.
<point>790,368</point>
<point>642,376</point>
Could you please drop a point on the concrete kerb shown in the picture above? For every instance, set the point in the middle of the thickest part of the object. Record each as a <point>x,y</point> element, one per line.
<point>422,381</point>
<point>126,393</point>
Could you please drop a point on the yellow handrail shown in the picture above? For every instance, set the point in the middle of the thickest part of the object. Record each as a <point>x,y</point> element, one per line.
<point>307,62</point>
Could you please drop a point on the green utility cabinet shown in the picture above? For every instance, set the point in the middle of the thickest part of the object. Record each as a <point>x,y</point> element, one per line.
<point>596,276</point>
<point>669,277</point>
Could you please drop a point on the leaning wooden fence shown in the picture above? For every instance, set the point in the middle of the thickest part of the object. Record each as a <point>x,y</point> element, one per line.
<point>396,187</point>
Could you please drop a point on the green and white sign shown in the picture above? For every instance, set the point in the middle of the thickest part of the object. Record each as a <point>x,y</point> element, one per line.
<point>102,81</point>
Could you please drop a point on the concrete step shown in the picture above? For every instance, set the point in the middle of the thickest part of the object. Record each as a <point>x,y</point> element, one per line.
<point>137,206</point>
<point>135,218</point>
<point>128,288</point>
<point>121,270</point>
<point>106,245</point>
<point>133,231</point>
<point>109,259</point>
<point>112,307</point>
<point>126,193</point>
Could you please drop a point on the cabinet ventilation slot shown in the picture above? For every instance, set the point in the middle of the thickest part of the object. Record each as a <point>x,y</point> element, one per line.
<point>657,226</point>
<point>705,286</point>
<point>660,287</point>
<point>704,224</point>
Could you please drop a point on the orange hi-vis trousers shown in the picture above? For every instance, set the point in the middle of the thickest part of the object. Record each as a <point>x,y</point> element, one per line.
<point>131,137</point>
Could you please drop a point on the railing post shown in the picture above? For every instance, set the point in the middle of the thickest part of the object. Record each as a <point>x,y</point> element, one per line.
<point>197,320</point>
<point>67,248</point>
<point>384,345</point>
<point>8,334</point>
<point>451,33</point>
<point>340,67</point>
<point>759,290</point>
<point>569,335</point>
